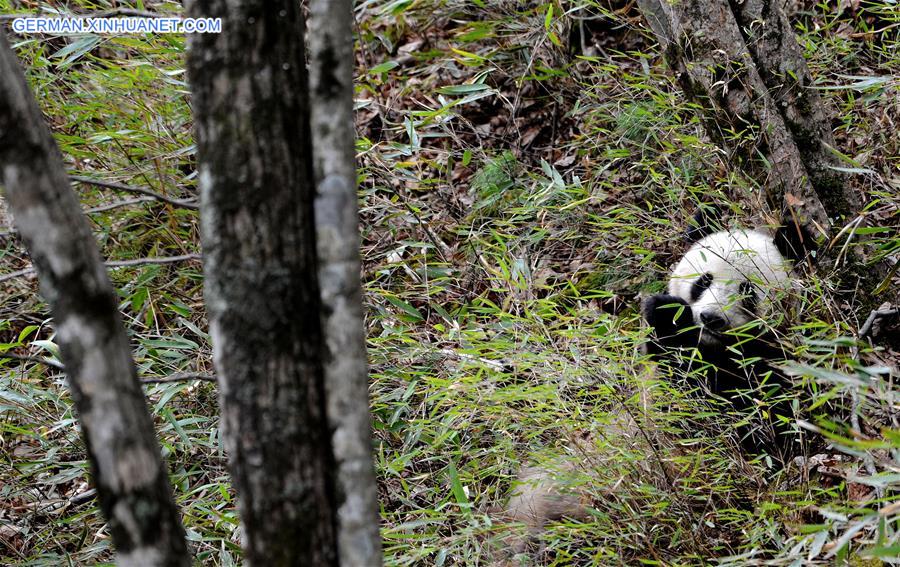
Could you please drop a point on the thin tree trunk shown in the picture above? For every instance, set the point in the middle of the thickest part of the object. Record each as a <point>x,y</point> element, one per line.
<point>251,113</point>
<point>128,472</point>
<point>337,228</point>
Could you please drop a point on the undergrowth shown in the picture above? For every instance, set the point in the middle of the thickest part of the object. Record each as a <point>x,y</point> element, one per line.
<point>526,169</point>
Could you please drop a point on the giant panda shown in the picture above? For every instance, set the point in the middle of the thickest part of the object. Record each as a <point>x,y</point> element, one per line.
<point>715,328</point>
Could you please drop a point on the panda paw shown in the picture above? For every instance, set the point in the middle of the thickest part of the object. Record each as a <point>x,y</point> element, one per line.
<point>668,315</point>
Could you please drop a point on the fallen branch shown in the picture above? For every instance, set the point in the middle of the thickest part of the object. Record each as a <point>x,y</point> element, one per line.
<point>116,264</point>
<point>138,190</point>
<point>442,249</point>
<point>17,274</point>
<point>83,497</point>
<point>157,260</point>
<point>117,204</point>
<point>876,315</point>
<point>94,210</point>
<point>179,377</point>
<point>55,504</point>
<point>495,364</point>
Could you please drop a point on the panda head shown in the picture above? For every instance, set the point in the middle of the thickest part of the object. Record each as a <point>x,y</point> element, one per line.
<point>729,278</point>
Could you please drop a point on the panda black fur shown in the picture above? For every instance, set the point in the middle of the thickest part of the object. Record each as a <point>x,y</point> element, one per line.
<point>714,327</point>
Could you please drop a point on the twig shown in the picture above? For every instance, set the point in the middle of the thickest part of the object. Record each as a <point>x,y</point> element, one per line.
<point>16,274</point>
<point>139,190</point>
<point>36,359</point>
<point>181,377</point>
<point>858,35</point>
<point>115,264</point>
<point>653,446</point>
<point>49,505</point>
<point>83,497</point>
<point>495,364</point>
<point>441,248</point>
<point>93,210</point>
<point>117,204</point>
<point>156,260</point>
<point>875,315</point>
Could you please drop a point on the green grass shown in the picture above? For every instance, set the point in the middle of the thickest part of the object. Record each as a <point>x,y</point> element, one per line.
<point>516,197</point>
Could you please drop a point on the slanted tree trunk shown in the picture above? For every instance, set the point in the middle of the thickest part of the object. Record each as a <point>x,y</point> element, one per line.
<point>782,67</point>
<point>128,472</point>
<point>337,235</point>
<point>703,44</point>
<point>251,111</point>
<point>741,61</point>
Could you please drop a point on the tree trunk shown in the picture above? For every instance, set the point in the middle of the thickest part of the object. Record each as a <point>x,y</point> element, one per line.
<point>251,112</point>
<point>128,472</point>
<point>337,236</point>
<point>703,43</point>
<point>779,60</point>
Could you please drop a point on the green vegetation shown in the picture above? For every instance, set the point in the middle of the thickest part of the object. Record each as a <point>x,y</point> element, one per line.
<point>526,169</point>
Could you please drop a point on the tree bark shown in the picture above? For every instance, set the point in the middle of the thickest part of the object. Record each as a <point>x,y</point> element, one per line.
<point>741,61</point>
<point>251,113</point>
<point>128,472</point>
<point>703,44</point>
<point>337,237</point>
<point>782,67</point>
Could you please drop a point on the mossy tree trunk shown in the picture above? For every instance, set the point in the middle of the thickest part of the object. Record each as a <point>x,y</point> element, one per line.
<point>252,122</point>
<point>131,480</point>
<point>704,45</point>
<point>781,65</point>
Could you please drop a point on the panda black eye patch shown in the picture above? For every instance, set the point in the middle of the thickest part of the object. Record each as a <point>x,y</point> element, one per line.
<point>700,285</point>
<point>749,296</point>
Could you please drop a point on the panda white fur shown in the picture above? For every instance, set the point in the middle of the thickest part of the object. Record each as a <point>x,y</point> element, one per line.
<point>714,327</point>
<point>729,279</point>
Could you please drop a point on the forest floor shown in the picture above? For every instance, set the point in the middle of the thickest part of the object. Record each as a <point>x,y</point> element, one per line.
<point>526,171</point>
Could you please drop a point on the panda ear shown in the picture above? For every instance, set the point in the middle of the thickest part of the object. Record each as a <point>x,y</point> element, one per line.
<point>706,220</point>
<point>794,242</point>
